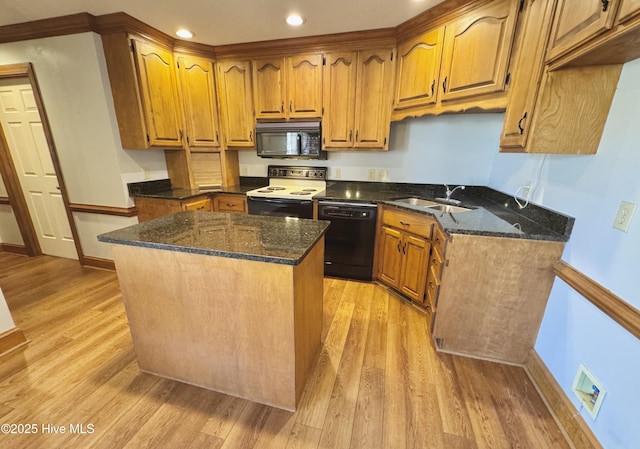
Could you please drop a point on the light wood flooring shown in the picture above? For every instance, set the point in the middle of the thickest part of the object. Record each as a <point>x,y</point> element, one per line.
<point>378,382</point>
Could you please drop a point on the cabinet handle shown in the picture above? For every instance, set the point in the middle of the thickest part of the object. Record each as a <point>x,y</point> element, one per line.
<point>290,105</point>
<point>399,247</point>
<point>444,85</point>
<point>282,107</point>
<point>350,134</point>
<point>437,241</point>
<point>250,136</point>
<point>181,133</point>
<point>430,284</point>
<point>405,224</point>
<point>433,87</point>
<point>230,204</point>
<point>217,136</point>
<point>357,132</point>
<point>605,5</point>
<point>524,116</point>
<point>404,249</point>
<point>435,261</point>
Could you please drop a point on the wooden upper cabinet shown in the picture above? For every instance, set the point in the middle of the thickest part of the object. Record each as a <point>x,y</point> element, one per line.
<point>549,111</point>
<point>477,47</point>
<point>159,94</point>
<point>357,99</point>
<point>288,87</point>
<point>199,98</point>
<point>373,98</point>
<point>339,99</point>
<point>304,85</point>
<point>268,88</point>
<point>628,10</point>
<point>576,21</point>
<point>418,70</point>
<point>236,105</point>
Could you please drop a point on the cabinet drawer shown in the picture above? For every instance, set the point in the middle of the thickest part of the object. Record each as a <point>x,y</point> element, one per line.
<point>412,223</point>
<point>230,203</point>
<point>432,288</point>
<point>439,239</point>
<point>200,204</point>
<point>436,262</point>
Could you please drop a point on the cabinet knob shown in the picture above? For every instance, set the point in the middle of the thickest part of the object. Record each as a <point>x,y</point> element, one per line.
<point>398,246</point>
<point>350,134</point>
<point>433,87</point>
<point>290,105</point>
<point>405,224</point>
<point>282,107</point>
<point>229,204</point>
<point>605,5</point>
<point>357,132</point>
<point>444,84</point>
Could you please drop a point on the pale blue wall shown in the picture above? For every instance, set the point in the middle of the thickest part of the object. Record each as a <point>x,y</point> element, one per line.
<point>590,188</point>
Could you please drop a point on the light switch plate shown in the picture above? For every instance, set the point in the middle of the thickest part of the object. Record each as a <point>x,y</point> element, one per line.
<point>624,215</point>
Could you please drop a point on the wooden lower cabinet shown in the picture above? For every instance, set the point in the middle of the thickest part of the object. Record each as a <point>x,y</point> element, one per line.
<point>493,295</point>
<point>150,208</point>
<point>404,254</point>
<point>226,202</point>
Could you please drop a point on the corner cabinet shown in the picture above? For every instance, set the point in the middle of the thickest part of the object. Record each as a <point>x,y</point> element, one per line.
<point>549,111</point>
<point>197,84</point>
<point>288,87</point>
<point>145,94</point>
<point>236,104</point>
<point>404,246</point>
<point>357,99</point>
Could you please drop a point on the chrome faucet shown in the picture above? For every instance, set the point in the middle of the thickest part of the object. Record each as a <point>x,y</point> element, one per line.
<point>448,194</point>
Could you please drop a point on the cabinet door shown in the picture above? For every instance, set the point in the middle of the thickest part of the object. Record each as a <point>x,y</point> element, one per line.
<point>339,94</point>
<point>268,88</point>
<point>577,21</point>
<point>527,71</point>
<point>199,98</point>
<point>390,256</point>
<point>373,98</point>
<point>476,54</point>
<point>203,204</point>
<point>236,106</point>
<point>159,95</point>
<point>628,10</point>
<point>418,70</point>
<point>414,268</point>
<point>304,86</point>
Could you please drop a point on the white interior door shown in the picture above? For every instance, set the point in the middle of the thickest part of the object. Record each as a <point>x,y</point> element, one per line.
<point>25,136</point>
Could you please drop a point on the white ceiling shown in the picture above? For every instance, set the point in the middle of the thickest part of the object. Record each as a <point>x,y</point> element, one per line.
<point>218,22</point>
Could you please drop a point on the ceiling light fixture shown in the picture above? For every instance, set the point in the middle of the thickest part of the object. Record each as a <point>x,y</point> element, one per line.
<point>295,20</point>
<point>185,34</point>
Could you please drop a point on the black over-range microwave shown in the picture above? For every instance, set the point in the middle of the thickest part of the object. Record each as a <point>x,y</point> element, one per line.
<point>289,140</point>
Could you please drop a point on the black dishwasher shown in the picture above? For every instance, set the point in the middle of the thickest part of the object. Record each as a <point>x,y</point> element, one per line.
<point>349,241</point>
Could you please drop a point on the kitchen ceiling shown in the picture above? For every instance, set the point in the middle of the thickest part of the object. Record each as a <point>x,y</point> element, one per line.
<point>219,22</point>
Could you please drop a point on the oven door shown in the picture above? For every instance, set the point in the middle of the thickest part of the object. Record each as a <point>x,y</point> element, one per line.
<point>280,207</point>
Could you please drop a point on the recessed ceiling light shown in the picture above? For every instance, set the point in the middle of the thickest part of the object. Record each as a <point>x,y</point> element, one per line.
<point>295,20</point>
<point>185,34</point>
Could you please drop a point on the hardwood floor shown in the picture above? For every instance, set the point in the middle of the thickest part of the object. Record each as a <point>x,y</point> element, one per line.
<point>378,382</point>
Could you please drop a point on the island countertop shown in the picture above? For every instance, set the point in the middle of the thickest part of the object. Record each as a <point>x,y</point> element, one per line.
<point>277,240</point>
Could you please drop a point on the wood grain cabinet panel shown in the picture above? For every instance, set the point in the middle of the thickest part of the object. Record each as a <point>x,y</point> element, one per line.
<point>477,48</point>
<point>197,85</point>
<point>288,87</point>
<point>236,103</point>
<point>414,268</point>
<point>357,99</point>
<point>391,256</point>
<point>628,10</point>
<point>230,203</point>
<point>203,204</point>
<point>418,69</point>
<point>577,21</point>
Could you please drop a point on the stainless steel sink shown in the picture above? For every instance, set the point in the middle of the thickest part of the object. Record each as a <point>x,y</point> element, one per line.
<point>446,208</point>
<point>417,202</point>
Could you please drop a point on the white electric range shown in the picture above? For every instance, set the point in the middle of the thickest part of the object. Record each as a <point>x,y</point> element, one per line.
<point>290,191</point>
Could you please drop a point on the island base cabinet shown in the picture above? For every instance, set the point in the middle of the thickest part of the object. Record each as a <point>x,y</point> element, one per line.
<point>241,327</point>
<point>493,296</point>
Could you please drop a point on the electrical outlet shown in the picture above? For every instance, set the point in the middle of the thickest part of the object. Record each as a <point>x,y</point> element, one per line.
<point>146,173</point>
<point>337,174</point>
<point>526,190</point>
<point>371,176</point>
<point>245,171</point>
<point>623,218</point>
<point>382,175</point>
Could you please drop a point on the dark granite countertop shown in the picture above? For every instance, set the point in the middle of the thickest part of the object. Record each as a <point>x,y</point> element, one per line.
<point>162,189</point>
<point>492,213</point>
<point>251,237</point>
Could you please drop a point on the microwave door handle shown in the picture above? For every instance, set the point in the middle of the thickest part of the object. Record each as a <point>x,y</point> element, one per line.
<point>299,143</point>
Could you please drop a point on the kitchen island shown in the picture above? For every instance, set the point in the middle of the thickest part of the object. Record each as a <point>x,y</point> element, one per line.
<point>228,302</point>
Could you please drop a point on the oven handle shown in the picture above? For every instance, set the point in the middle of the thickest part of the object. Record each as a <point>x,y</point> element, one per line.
<point>278,200</point>
<point>338,203</point>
